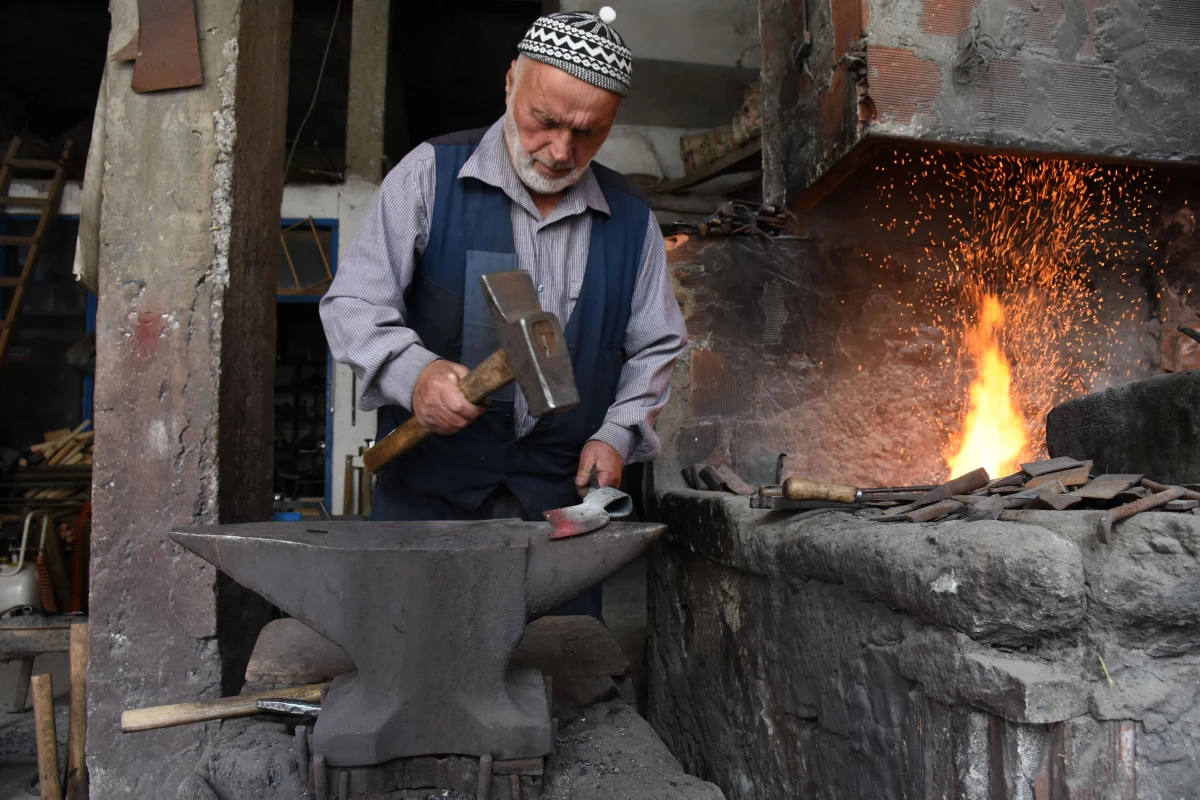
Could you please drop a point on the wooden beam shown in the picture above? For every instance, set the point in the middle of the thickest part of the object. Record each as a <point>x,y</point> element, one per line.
<point>734,161</point>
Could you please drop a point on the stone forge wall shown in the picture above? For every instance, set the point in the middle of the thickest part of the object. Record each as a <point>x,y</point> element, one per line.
<point>824,656</point>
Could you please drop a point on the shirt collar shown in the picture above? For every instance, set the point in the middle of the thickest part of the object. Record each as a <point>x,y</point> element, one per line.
<point>491,164</point>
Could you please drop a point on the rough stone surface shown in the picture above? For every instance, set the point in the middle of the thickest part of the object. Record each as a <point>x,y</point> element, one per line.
<point>608,752</point>
<point>791,658</point>
<point>603,752</point>
<point>185,347</point>
<point>1151,426</point>
<point>995,581</point>
<point>1021,690</point>
<point>249,758</point>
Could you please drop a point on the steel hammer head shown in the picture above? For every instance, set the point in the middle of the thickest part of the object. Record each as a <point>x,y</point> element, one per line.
<point>533,340</point>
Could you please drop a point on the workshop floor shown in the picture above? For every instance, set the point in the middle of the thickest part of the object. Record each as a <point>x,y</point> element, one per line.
<point>14,780</point>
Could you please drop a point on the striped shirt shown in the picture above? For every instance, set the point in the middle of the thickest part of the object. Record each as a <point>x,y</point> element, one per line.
<point>364,310</point>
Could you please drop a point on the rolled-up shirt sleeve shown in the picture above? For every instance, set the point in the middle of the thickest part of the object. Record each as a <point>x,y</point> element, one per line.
<point>654,338</point>
<point>364,312</point>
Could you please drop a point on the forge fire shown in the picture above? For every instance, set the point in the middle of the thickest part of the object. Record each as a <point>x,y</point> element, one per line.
<point>1018,255</point>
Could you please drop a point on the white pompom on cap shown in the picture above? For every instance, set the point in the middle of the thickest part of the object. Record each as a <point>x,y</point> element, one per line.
<point>607,15</point>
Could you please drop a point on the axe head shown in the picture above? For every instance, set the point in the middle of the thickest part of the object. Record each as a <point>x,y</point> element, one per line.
<point>533,340</point>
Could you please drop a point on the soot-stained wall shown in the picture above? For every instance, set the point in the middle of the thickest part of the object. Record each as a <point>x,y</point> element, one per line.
<point>1114,79</point>
<point>843,344</point>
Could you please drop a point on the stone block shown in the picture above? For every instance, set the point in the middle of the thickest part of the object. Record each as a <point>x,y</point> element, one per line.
<point>933,657</point>
<point>993,581</point>
<point>1150,426</point>
<point>1021,690</point>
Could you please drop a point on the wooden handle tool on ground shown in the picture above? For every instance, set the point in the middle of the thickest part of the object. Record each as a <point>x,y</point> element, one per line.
<point>77,774</point>
<point>47,739</point>
<point>493,374</point>
<point>146,719</point>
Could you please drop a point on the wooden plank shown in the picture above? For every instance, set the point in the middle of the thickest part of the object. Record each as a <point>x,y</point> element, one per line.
<point>1107,486</point>
<point>20,692</point>
<point>23,643</point>
<point>32,202</point>
<point>1071,477</point>
<point>32,163</point>
<point>1036,468</point>
<point>14,147</point>
<point>726,163</point>
<point>49,205</point>
<point>47,740</point>
<point>77,774</point>
<point>16,241</point>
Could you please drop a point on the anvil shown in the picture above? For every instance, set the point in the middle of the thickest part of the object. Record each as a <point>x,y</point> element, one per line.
<point>430,613</point>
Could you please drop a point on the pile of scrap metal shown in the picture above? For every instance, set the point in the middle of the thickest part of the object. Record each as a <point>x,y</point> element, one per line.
<point>1058,484</point>
<point>738,218</point>
<point>716,474</point>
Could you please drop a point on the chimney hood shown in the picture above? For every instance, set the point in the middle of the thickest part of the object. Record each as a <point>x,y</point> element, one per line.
<point>1094,79</point>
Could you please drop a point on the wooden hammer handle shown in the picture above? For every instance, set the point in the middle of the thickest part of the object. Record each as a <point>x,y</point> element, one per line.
<point>493,373</point>
<point>804,489</point>
<point>148,719</point>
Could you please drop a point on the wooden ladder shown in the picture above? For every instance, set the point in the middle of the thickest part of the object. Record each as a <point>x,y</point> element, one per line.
<point>48,205</point>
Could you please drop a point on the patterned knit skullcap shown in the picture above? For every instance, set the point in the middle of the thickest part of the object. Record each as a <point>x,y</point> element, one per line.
<point>584,45</point>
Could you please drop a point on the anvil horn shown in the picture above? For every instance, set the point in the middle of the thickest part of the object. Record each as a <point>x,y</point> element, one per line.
<point>559,570</point>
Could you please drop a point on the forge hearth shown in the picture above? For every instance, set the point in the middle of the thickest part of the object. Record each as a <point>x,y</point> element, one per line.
<point>823,655</point>
<point>431,614</point>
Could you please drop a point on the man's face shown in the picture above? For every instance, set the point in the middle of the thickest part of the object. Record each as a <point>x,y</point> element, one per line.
<point>558,123</point>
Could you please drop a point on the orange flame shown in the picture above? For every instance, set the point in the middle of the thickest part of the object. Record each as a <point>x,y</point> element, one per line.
<point>994,432</point>
<point>1031,273</point>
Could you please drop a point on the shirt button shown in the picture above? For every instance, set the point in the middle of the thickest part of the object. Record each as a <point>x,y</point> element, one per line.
<point>541,286</point>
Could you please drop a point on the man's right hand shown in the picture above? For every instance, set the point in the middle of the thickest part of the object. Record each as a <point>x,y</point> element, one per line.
<point>438,403</point>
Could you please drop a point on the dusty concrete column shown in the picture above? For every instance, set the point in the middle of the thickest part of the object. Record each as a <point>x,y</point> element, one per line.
<point>368,89</point>
<point>185,350</point>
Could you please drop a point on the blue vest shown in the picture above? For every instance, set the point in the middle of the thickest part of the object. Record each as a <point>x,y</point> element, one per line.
<point>471,235</point>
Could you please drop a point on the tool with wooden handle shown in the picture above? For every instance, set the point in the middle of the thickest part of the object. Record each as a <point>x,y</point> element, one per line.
<point>147,719</point>
<point>804,489</point>
<point>799,489</point>
<point>47,740</point>
<point>532,352</point>
<point>77,773</point>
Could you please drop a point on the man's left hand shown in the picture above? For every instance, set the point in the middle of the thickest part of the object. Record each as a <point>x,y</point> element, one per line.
<point>601,460</point>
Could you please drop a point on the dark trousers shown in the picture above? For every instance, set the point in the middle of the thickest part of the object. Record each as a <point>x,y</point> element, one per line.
<point>396,503</point>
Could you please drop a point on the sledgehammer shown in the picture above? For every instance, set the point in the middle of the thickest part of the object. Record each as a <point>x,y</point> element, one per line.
<point>532,352</point>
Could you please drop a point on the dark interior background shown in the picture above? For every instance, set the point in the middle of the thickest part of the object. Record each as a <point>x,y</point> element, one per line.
<point>448,62</point>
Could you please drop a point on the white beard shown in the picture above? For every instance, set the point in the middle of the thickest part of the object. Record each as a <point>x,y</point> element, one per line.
<point>525,164</point>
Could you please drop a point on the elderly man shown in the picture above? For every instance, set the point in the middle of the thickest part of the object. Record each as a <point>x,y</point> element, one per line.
<point>407,313</point>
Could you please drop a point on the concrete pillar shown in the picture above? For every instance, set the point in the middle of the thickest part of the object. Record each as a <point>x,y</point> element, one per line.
<point>368,89</point>
<point>185,351</point>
